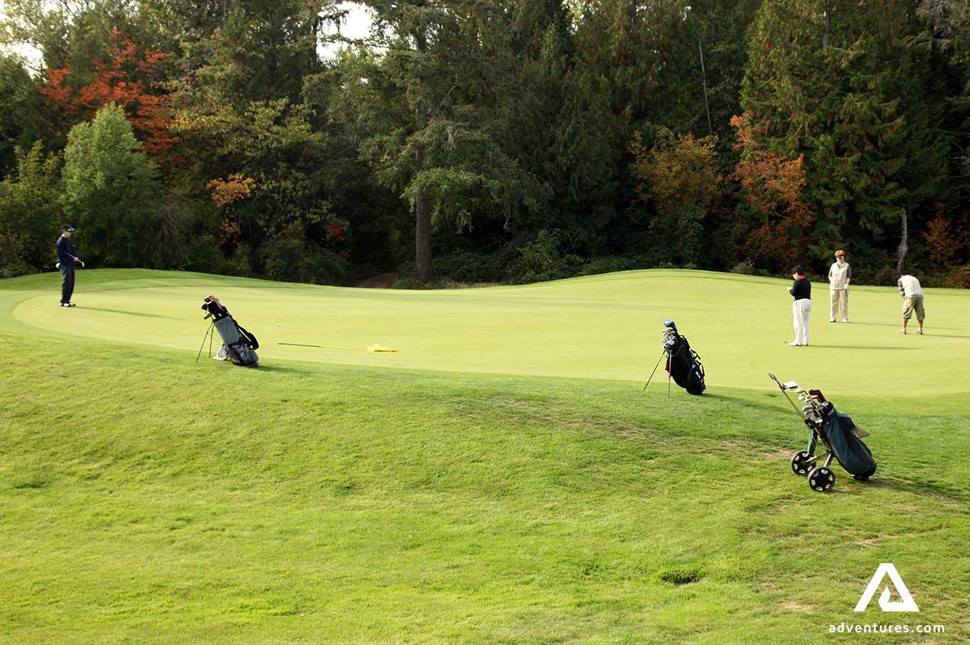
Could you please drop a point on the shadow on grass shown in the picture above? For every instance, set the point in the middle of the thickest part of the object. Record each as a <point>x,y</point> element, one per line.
<point>282,369</point>
<point>917,488</point>
<point>938,335</point>
<point>870,324</point>
<point>748,403</point>
<point>843,486</point>
<point>140,314</point>
<point>863,347</point>
<point>261,367</point>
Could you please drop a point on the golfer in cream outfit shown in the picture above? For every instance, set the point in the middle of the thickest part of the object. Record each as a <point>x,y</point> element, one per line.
<point>840,275</point>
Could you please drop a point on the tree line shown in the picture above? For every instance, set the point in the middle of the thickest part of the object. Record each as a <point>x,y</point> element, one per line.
<point>489,141</point>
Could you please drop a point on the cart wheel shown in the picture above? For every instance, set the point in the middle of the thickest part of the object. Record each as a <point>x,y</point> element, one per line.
<point>821,479</point>
<point>800,464</point>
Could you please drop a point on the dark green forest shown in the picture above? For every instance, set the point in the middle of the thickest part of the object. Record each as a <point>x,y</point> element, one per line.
<point>488,141</point>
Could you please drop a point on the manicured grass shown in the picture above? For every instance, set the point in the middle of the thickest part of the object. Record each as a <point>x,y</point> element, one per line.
<point>415,497</point>
<point>604,327</point>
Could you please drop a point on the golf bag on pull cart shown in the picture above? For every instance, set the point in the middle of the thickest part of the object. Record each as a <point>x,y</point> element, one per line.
<point>837,432</point>
<point>683,363</point>
<point>238,345</point>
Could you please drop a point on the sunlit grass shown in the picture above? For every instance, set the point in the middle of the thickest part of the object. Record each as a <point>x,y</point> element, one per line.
<point>146,498</point>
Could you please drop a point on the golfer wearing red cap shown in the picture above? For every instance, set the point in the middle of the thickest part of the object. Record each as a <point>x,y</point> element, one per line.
<point>840,275</point>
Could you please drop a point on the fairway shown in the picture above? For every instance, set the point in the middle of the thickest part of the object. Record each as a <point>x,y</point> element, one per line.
<point>502,477</point>
<point>603,327</point>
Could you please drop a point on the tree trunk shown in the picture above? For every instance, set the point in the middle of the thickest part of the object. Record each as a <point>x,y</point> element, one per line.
<point>903,246</point>
<point>828,25</point>
<point>707,104</point>
<point>422,205</point>
<point>422,237</point>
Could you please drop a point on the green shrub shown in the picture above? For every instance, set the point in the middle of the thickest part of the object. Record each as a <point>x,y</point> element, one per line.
<point>290,258</point>
<point>612,264</point>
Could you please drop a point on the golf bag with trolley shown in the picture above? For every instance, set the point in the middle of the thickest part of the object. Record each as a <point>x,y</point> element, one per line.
<point>837,432</point>
<point>683,363</point>
<point>238,345</point>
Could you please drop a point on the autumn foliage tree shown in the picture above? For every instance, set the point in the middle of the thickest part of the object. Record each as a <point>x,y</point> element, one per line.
<point>679,177</point>
<point>944,241</point>
<point>224,193</point>
<point>128,78</point>
<point>773,187</point>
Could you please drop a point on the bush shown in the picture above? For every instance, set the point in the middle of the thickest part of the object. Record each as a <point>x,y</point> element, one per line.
<point>612,264</point>
<point>744,267</point>
<point>468,267</point>
<point>884,277</point>
<point>958,277</point>
<point>203,255</point>
<point>290,258</point>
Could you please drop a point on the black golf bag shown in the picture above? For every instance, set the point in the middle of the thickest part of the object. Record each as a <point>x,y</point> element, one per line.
<point>238,345</point>
<point>683,363</point>
<point>837,432</point>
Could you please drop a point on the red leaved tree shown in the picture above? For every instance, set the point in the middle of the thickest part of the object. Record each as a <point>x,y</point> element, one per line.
<point>128,78</point>
<point>773,187</point>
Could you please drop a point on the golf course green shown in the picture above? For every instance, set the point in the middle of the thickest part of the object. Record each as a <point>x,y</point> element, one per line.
<point>501,477</point>
<point>603,327</point>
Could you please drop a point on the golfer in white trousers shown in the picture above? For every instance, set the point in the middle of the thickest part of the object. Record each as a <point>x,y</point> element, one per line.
<point>801,309</point>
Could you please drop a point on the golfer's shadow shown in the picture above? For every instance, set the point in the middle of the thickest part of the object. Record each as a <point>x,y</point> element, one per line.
<point>863,347</point>
<point>140,314</point>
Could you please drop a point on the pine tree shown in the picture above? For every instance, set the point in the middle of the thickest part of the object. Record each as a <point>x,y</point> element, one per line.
<point>838,83</point>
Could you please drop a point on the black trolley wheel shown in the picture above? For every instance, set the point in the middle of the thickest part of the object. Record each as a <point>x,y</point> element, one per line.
<point>821,479</point>
<point>800,464</point>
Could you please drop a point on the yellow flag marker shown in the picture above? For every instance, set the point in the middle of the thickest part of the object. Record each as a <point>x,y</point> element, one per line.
<point>380,348</point>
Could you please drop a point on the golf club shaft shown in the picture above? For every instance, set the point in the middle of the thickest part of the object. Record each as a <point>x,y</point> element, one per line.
<point>355,349</point>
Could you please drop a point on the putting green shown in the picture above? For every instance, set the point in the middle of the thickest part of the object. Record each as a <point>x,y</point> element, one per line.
<point>603,327</point>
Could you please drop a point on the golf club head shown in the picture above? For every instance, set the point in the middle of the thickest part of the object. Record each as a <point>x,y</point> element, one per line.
<point>670,324</point>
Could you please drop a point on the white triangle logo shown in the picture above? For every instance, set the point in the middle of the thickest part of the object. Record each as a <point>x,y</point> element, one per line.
<point>887,569</point>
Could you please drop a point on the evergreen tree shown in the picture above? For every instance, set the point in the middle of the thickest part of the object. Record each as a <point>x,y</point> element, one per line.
<point>838,83</point>
<point>21,121</point>
<point>111,191</point>
<point>424,114</point>
<point>30,213</point>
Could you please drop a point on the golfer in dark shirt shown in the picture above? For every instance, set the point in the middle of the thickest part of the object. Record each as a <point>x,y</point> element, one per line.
<point>66,257</point>
<point>801,291</point>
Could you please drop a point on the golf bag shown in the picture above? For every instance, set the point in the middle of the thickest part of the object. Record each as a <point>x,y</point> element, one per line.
<point>238,345</point>
<point>837,432</point>
<point>683,363</point>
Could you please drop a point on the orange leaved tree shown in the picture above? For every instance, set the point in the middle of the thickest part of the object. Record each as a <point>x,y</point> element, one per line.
<point>129,78</point>
<point>773,187</point>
